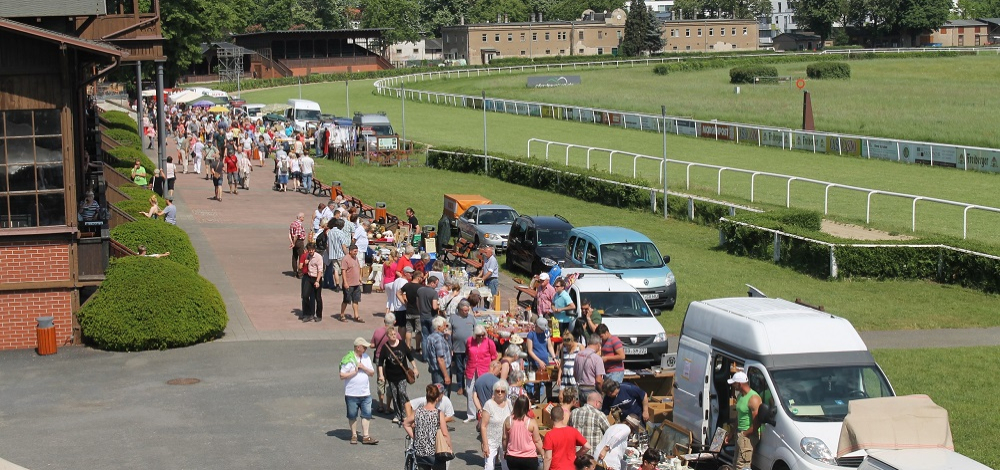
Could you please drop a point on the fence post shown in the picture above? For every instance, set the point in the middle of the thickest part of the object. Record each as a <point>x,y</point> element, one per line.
<point>777,247</point>
<point>940,266</point>
<point>652,199</point>
<point>690,208</point>
<point>833,263</point>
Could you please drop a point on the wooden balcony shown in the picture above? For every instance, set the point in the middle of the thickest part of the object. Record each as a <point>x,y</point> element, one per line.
<point>135,31</point>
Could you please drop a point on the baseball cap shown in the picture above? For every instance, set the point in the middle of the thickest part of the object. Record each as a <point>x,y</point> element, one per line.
<point>738,378</point>
<point>407,269</point>
<point>362,342</point>
<point>170,198</point>
<point>542,323</point>
<point>543,277</point>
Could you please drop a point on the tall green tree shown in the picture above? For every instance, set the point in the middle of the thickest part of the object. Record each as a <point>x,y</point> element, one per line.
<point>730,9</point>
<point>512,10</point>
<point>919,17</point>
<point>402,17</point>
<point>188,23</point>
<point>969,9</point>
<point>654,41</point>
<point>634,38</point>
<point>818,16</point>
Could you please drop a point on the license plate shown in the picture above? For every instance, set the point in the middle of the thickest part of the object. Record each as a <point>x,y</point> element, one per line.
<point>650,296</point>
<point>635,351</point>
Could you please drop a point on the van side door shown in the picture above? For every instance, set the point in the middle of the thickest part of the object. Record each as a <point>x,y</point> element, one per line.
<point>692,388</point>
<point>765,453</point>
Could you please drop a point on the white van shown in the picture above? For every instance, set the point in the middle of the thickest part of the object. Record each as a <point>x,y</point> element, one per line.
<point>807,366</point>
<point>304,115</point>
<point>623,309</point>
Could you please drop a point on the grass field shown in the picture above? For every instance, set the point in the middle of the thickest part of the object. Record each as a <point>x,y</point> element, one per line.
<point>937,100</point>
<point>441,125</point>
<point>959,380</point>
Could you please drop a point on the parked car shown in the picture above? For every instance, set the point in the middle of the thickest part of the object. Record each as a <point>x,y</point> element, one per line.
<point>487,224</point>
<point>629,253</point>
<point>534,237</point>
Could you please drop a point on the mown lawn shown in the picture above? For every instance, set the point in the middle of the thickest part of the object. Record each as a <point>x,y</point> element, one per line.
<point>930,99</point>
<point>441,125</point>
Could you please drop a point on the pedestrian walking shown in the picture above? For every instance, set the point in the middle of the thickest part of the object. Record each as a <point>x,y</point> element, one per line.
<point>522,444</point>
<point>494,414</point>
<point>312,295</point>
<point>395,359</point>
<point>296,242</point>
<point>352,283</point>
<point>426,424</point>
<point>379,338</point>
<point>355,370</point>
<point>438,354</point>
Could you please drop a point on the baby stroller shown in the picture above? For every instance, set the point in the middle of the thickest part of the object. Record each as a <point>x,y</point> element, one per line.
<point>409,455</point>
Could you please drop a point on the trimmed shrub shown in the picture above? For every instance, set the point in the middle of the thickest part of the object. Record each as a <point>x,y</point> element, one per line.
<point>123,159</point>
<point>662,69</point>
<point>119,120</point>
<point>149,303</point>
<point>125,137</point>
<point>821,70</point>
<point>748,73</point>
<point>159,237</point>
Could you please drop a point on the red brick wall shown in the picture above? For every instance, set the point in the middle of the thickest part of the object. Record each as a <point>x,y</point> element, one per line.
<point>34,261</point>
<point>19,310</point>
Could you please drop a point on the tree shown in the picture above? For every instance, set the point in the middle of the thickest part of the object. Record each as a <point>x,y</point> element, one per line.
<point>634,38</point>
<point>188,23</point>
<point>979,8</point>
<point>818,16</point>
<point>731,9</point>
<point>654,41</point>
<point>402,17</point>
<point>922,16</point>
<point>513,10</point>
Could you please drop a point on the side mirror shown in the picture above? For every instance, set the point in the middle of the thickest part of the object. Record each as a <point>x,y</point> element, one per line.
<point>766,414</point>
<point>666,259</point>
<point>657,312</point>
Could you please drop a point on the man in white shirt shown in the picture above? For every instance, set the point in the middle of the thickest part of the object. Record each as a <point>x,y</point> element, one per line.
<point>356,370</point>
<point>361,240</point>
<point>444,404</point>
<point>611,450</point>
<point>306,166</point>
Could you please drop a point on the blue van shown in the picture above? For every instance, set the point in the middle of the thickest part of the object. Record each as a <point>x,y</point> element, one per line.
<point>628,253</point>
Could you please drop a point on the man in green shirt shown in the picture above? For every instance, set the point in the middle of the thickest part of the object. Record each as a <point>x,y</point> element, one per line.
<point>139,175</point>
<point>747,435</point>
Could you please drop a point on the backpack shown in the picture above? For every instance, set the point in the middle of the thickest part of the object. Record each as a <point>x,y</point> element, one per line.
<point>321,242</point>
<point>283,165</point>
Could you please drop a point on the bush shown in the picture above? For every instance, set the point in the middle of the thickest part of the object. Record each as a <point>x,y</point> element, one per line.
<point>749,73</point>
<point>821,70</point>
<point>125,137</point>
<point>662,69</point>
<point>119,120</point>
<point>159,237</point>
<point>932,261</point>
<point>149,303</point>
<point>123,159</point>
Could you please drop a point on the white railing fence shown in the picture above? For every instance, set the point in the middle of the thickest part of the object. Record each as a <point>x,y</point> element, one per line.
<point>753,174</point>
<point>910,151</point>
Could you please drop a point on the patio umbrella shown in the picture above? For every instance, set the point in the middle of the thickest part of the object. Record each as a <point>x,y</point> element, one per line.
<point>218,109</point>
<point>202,104</point>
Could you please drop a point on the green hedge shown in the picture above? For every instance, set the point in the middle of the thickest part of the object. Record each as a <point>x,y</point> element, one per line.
<point>821,70</point>
<point>159,237</point>
<point>256,83</point>
<point>882,261</point>
<point>574,182</point>
<point>123,159</point>
<point>662,69</point>
<point>750,73</point>
<point>152,303</point>
<point>120,120</point>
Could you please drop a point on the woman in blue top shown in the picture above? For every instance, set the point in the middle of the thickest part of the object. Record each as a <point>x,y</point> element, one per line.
<point>563,307</point>
<point>539,344</point>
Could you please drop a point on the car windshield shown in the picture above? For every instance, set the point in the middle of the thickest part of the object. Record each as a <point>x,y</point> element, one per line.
<point>496,217</point>
<point>636,255</point>
<point>552,237</point>
<point>618,304</point>
<point>822,394</point>
<point>383,129</point>
<point>307,114</point>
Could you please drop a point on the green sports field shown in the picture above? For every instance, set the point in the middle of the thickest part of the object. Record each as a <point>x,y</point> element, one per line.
<point>945,99</point>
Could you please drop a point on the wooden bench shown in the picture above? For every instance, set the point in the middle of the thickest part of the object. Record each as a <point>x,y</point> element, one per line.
<point>320,189</point>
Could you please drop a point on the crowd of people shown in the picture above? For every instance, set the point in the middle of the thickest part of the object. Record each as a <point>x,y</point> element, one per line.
<point>435,323</point>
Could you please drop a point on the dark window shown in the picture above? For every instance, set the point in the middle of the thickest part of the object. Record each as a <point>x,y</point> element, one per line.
<point>31,169</point>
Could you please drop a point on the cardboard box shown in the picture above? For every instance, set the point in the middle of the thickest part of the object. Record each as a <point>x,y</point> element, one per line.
<point>660,412</point>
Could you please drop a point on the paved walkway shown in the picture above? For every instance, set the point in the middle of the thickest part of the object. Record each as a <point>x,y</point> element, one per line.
<point>242,242</point>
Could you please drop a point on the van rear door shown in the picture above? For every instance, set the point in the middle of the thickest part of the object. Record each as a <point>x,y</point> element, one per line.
<point>692,388</point>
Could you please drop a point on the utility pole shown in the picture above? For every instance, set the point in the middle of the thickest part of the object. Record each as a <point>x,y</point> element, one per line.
<point>663,114</point>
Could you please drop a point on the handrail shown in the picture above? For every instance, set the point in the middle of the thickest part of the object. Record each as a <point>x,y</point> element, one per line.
<point>788,187</point>
<point>763,136</point>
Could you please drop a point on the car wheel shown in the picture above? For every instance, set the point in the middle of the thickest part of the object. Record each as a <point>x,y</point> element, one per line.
<point>508,262</point>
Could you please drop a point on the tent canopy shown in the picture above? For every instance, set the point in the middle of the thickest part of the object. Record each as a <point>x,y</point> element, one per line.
<point>906,422</point>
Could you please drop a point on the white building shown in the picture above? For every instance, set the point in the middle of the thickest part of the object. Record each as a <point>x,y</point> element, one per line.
<point>403,54</point>
<point>660,6</point>
<point>781,20</point>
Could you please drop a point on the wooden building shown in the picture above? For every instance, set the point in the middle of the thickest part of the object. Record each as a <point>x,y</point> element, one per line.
<point>45,168</point>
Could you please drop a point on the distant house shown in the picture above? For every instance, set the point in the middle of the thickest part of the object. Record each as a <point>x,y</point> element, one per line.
<point>992,30</point>
<point>714,35</point>
<point>797,42</point>
<point>404,54</point>
<point>958,33</point>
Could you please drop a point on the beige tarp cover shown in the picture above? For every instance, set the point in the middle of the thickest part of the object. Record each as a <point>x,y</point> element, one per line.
<point>907,422</point>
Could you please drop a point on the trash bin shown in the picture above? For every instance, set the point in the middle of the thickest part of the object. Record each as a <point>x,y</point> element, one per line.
<point>46,336</point>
